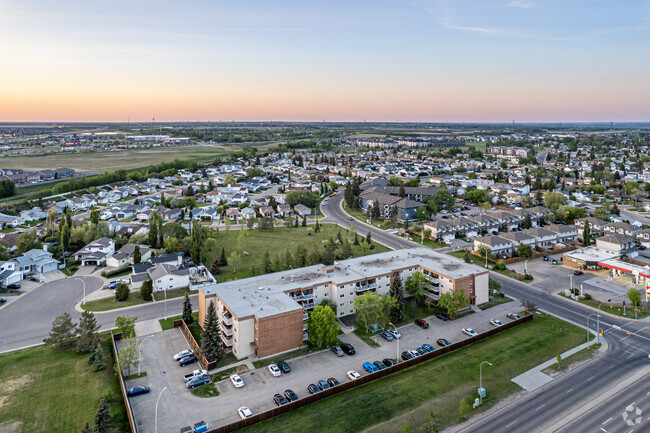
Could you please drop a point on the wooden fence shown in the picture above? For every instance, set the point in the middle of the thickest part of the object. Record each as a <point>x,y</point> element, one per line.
<point>127,403</point>
<point>180,323</point>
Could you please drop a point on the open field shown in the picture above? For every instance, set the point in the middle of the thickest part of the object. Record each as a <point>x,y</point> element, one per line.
<point>405,398</point>
<point>245,249</point>
<point>33,379</point>
<point>99,162</point>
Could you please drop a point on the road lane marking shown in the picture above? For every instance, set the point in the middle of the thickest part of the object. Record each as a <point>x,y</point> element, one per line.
<point>589,380</point>
<point>512,423</point>
<point>607,421</point>
<point>540,407</point>
<point>569,391</point>
<point>604,430</point>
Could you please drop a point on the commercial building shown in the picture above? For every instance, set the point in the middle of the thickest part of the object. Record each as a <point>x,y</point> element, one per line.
<point>267,314</point>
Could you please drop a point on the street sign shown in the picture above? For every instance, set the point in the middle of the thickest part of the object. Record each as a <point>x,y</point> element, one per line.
<point>482,392</point>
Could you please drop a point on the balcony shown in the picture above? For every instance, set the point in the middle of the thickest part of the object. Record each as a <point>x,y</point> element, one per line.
<point>433,295</point>
<point>305,316</point>
<point>305,336</point>
<point>226,330</point>
<point>303,297</point>
<point>227,341</point>
<point>308,306</point>
<point>304,326</point>
<point>363,287</point>
<point>226,318</point>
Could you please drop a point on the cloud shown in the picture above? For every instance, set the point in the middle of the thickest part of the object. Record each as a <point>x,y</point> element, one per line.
<point>523,4</point>
<point>484,30</point>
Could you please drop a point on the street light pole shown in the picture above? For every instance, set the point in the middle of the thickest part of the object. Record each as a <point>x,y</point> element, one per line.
<point>592,314</point>
<point>397,354</point>
<point>155,429</point>
<point>525,267</point>
<point>480,380</point>
<point>84,284</point>
<point>140,352</point>
<point>165,304</point>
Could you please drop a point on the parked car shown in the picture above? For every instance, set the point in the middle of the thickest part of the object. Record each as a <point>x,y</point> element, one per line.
<point>422,323</point>
<point>290,395</point>
<point>513,316</point>
<point>387,336</point>
<point>441,316</point>
<point>183,354</point>
<point>322,385</point>
<point>578,272</point>
<point>352,375</point>
<point>137,390</point>
<point>284,367</point>
<point>237,380</point>
<point>496,322</point>
<point>421,350</point>
<point>194,374</point>
<point>443,342</point>
<point>545,258</point>
<point>3,300</point>
<point>337,351</point>
<point>414,352</point>
<point>380,365</point>
<point>312,389</point>
<point>395,333</point>
<point>333,382</point>
<point>388,362</point>
<point>348,349</point>
<point>244,412</point>
<point>14,286</point>
<point>187,360</point>
<point>470,332</point>
<point>275,371</point>
<point>428,348</point>
<point>279,399</point>
<point>406,355</point>
<point>370,367</point>
<point>198,381</point>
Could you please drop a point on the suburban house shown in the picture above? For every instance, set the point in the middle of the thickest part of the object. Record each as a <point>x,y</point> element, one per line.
<point>8,273</point>
<point>35,261</point>
<point>543,238</point>
<point>124,256</point>
<point>499,246</point>
<point>96,252</point>
<point>302,210</point>
<point>519,238</point>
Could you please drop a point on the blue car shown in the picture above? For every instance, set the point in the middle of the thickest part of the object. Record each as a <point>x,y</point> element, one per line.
<point>198,381</point>
<point>137,390</point>
<point>428,348</point>
<point>370,367</point>
<point>387,336</point>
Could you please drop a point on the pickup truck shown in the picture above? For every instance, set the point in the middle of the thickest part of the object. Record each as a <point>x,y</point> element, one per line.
<point>195,374</point>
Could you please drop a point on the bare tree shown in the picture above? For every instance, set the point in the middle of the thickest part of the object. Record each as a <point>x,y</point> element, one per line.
<point>528,305</point>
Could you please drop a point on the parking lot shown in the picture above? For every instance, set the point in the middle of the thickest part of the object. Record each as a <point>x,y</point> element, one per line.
<point>178,407</point>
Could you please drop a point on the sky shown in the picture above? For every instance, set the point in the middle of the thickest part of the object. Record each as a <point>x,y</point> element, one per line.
<point>378,60</point>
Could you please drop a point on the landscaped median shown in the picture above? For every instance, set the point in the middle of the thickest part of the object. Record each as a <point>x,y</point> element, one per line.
<point>613,308</point>
<point>405,397</point>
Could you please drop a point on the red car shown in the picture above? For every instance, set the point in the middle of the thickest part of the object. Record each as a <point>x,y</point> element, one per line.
<point>422,323</point>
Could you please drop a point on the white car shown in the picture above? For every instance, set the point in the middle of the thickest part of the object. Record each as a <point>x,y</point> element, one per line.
<point>496,322</point>
<point>244,412</point>
<point>414,352</point>
<point>237,380</point>
<point>470,332</point>
<point>183,354</point>
<point>395,333</point>
<point>275,371</point>
<point>513,316</point>
<point>353,375</point>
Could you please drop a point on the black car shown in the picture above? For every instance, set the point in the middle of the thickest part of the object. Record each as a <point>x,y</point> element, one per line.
<point>441,316</point>
<point>443,342</point>
<point>138,390</point>
<point>333,382</point>
<point>3,300</point>
<point>290,395</point>
<point>380,365</point>
<point>283,366</point>
<point>347,348</point>
<point>578,272</point>
<point>313,389</point>
<point>187,360</point>
<point>13,286</point>
<point>389,362</point>
<point>406,356</point>
<point>279,400</point>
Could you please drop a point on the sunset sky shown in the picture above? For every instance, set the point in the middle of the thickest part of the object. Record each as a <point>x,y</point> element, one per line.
<point>380,60</point>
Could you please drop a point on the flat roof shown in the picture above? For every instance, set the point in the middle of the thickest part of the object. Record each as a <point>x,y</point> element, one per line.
<point>264,295</point>
<point>628,268</point>
<point>591,255</point>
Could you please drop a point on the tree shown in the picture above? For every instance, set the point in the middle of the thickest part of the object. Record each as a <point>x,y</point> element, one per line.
<point>601,213</point>
<point>529,305</point>
<point>553,200</point>
<point>415,285</point>
<point>484,251</point>
<point>210,339</point>
<point>452,301</point>
<point>306,198</point>
<point>634,296</point>
<point>196,242</point>
<point>374,211</point>
<point>126,325</point>
<point>187,310</point>
<point>122,292</point>
<point>63,332</point>
<point>127,355</point>
<point>146,290</point>
<point>137,256</point>
<point>397,292</point>
<point>215,268</point>
<point>102,418</point>
<point>402,191</point>
<point>494,285</point>
<point>87,428</point>
<point>65,236</point>
<point>615,210</point>
<point>373,309</point>
<point>586,234</point>
<point>7,188</point>
<point>28,241</point>
<point>525,250</point>
<point>267,263</point>
<point>97,359</point>
<point>528,223</point>
<point>88,328</point>
<point>94,217</point>
<point>368,238</point>
<point>222,258</point>
<point>323,326</point>
<point>463,407</point>
<point>153,228</point>
<point>478,196</point>
<point>346,250</point>
<point>356,239</point>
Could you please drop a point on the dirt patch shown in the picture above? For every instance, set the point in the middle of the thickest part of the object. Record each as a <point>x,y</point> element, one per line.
<point>11,426</point>
<point>11,385</point>
<point>3,400</point>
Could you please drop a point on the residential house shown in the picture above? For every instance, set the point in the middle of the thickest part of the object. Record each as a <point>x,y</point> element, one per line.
<point>543,238</point>
<point>566,234</point>
<point>35,261</point>
<point>124,256</point>
<point>596,225</point>
<point>96,252</point>
<point>499,246</point>
<point>618,244</point>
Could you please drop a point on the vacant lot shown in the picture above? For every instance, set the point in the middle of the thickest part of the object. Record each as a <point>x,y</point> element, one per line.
<point>245,249</point>
<point>405,398</point>
<point>99,162</point>
<point>49,390</point>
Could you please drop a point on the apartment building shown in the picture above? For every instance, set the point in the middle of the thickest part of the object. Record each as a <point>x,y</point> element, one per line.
<point>267,314</point>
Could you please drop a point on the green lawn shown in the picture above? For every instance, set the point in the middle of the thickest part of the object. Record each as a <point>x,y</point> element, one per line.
<point>169,322</point>
<point>110,303</point>
<point>494,301</point>
<point>405,398</point>
<point>71,267</point>
<point>245,249</point>
<point>572,359</point>
<point>224,374</point>
<point>49,390</point>
<point>427,242</point>
<point>206,391</point>
<point>617,308</point>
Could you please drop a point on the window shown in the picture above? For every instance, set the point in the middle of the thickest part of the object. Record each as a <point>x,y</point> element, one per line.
<point>351,302</point>
<point>351,311</point>
<point>351,293</point>
<point>342,295</point>
<point>326,295</point>
<point>341,313</point>
<point>341,304</point>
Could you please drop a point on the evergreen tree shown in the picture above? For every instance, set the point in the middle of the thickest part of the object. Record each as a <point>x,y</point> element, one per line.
<point>288,259</point>
<point>94,217</point>
<point>146,290</point>
<point>87,428</point>
<point>368,238</point>
<point>267,262</point>
<point>137,256</point>
<point>528,223</point>
<point>356,238</point>
<point>196,242</point>
<point>210,340</point>
<point>313,257</point>
<point>215,268</point>
<point>301,257</point>
<point>402,191</point>
<point>346,250</point>
<point>122,292</point>
<point>65,236</point>
<point>187,310</point>
<point>98,361</point>
<point>222,258</point>
<point>102,417</point>
<point>153,229</point>
<point>586,234</point>
<point>317,226</point>
<point>375,213</point>
<point>88,328</point>
<point>339,237</point>
<point>63,331</point>
<point>397,292</point>
<point>277,263</point>
<point>295,222</point>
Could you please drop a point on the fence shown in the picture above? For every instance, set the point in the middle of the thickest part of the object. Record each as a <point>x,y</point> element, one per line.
<point>195,346</point>
<point>129,410</point>
<point>364,379</point>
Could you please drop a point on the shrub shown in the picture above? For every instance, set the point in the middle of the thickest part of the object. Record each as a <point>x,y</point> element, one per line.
<point>500,267</point>
<point>122,292</point>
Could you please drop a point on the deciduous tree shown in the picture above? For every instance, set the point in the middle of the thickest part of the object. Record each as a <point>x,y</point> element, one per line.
<point>323,326</point>
<point>126,325</point>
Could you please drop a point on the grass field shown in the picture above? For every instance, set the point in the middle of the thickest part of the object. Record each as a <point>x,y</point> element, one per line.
<point>245,249</point>
<point>99,162</point>
<point>50,390</point>
<point>405,398</point>
<point>107,304</point>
